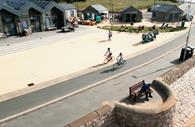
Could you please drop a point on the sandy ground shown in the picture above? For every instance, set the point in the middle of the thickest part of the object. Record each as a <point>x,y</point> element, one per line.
<point>67,56</point>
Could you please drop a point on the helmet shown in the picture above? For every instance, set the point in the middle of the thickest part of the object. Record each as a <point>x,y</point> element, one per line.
<point>120,54</point>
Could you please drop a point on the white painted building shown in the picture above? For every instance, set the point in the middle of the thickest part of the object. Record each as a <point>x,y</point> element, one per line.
<point>69,9</point>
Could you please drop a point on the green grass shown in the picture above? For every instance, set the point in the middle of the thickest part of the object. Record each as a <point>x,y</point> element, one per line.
<point>146,29</point>
<point>118,5</point>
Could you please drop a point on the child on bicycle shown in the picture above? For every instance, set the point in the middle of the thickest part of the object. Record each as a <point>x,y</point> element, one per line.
<point>120,58</point>
<point>108,54</point>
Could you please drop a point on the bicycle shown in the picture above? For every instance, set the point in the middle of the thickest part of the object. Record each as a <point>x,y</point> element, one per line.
<point>119,64</point>
<point>108,59</point>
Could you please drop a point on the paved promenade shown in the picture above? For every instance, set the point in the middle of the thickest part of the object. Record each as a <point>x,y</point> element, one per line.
<point>185,92</point>
<point>62,55</point>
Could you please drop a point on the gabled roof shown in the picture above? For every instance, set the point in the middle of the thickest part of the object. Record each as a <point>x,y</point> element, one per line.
<point>42,4</point>
<point>21,6</point>
<point>18,5</point>
<point>66,6</point>
<point>99,7</point>
<point>166,8</point>
<point>130,9</point>
<point>3,5</point>
<point>46,5</point>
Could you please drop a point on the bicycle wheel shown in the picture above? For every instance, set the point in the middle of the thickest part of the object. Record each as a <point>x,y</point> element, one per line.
<point>105,60</point>
<point>124,62</point>
<point>112,59</point>
<point>116,66</point>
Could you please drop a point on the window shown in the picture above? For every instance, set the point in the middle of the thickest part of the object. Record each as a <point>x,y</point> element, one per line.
<point>72,13</point>
<point>153,14</point>
<point>176,16</point>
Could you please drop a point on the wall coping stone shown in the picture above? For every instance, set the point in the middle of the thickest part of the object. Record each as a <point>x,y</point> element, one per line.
<point>103,110</point>
<point>178,71</point>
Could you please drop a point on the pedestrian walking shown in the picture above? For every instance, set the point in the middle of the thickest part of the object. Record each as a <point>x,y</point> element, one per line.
<point>109,35</point>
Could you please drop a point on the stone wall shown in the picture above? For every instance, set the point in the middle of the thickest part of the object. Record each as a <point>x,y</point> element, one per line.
<point>174,112</point>
<point>124,115</point>
<point>127,116</point>
<point>154,116</point>
<point>174,74</point>
<point>102,117</point>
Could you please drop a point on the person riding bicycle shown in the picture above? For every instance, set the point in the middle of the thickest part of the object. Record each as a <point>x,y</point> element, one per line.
<point>120,58</point>
<point>108,54</point>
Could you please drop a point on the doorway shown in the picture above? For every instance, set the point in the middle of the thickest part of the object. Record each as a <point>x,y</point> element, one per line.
<point>35,20</point>
<point>8,21</point>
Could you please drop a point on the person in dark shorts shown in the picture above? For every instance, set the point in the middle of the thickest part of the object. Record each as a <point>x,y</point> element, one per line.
<point>109,35</point>
<point>147,90</point>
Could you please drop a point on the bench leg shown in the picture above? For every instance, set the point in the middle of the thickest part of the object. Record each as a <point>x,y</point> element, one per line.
<point>135,98</point>
<point>129,94</point>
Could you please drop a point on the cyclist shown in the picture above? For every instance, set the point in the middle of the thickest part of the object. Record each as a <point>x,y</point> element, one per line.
<point>120,58</point>
<point>108,54</point>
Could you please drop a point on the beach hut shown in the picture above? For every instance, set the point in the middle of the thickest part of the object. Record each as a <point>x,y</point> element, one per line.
<point>130,14</point>
<point>95,10</point>
<point>167,13</point>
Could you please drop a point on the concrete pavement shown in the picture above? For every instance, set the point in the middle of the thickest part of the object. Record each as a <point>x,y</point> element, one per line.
<point>74,107</point>
<point>64,55</point>
<point>46,94</point>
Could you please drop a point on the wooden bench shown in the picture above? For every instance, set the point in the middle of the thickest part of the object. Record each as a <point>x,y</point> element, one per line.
<point>135,90</point>
<point>51,28</point>
<point>3,35</point>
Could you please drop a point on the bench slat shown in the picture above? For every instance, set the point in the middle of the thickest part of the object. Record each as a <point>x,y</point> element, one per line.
<point>135,90</point>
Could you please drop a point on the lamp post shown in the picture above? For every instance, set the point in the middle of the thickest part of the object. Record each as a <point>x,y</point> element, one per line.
<point>188,35</point>
<point>77,8</point>
<point>111,15</point>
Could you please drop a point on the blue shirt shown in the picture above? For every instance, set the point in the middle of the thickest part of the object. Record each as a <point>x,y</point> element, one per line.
<point>144,88</point>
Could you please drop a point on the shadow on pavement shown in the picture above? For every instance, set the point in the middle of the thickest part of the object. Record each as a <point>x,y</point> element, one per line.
<point>108,70</point>
<point>139,43</point>
<point>102,41</point>
<point>134,76</point>
<point>98,65</point>
<point>176,61</point>
<point>62,32</point>
<point>131,101</point>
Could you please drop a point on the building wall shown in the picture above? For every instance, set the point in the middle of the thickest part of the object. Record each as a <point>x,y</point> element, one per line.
<point>158,16</point>
<point>137,19</point>
<point>9,22</point>
<point>34,13</point>
<point>44,16</point>
<point>20,25</point>
<point>91,11</point>
<point>165,17</point>
<point>1,25</point>
<point>70,13</point>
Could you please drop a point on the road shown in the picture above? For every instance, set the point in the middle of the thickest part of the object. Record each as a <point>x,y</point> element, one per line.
<point>71,108</point>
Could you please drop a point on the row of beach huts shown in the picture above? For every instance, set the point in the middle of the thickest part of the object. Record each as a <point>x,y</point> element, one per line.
<point>19,15</point>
